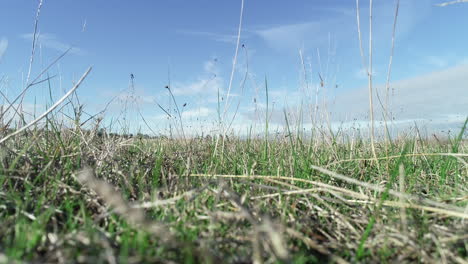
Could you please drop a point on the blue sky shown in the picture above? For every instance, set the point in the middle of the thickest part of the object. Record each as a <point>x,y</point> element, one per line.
<point>194,42</point>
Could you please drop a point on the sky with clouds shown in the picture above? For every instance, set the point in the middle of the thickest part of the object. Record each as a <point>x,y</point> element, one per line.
<point>306,53</point>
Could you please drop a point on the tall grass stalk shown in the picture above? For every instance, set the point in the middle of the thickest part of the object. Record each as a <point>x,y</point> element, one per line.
<point>368,68</point>
<point>370,74</point>
<point>31,60</point>
<point>231,79</point>
<point>387,115</point>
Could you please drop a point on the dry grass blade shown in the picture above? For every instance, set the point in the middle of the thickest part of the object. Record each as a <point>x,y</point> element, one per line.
<point>387,83</point>
<point>440,208</point>
<point>223,128</point>
<point>370,75</point>
<point>402,205</point>
<point>50,109</point>
<point>234,62</point>
<point>34,39</point>
<point>392,192</point>
<point>445,212</point>
<point>284,178</point>
<point>368,68</point>
<point>456,155</point>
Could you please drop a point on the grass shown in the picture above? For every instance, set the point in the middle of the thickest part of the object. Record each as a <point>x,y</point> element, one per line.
<point>94,198</point>
<point>75,195</point>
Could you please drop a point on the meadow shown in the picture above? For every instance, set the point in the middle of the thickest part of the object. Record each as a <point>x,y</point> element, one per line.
<point>77,192</point>
<point>82,196</point>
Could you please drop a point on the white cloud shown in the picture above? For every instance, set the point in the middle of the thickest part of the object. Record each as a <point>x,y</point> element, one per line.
<point>3,47</point>
<point>52,42</point>
<point>435,96</point>
<point>438,99</point>
<point>200,112</point>
<point>209,83</point>
<point>201,86</point>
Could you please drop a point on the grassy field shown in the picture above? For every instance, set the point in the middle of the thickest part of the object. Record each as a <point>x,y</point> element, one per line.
<point>75,195</point>
<point>79,196</point>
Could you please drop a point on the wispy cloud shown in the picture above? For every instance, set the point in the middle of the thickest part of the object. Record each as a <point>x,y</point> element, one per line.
<point>3,47</point>
<point>342,25</point>
<point>225,38</point>
<point>51,41</point>
<point>293,36</point>
<point>203,85</point>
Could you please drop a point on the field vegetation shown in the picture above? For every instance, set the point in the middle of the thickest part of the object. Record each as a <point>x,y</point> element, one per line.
<point>72,190</point>
<point>75,195</point>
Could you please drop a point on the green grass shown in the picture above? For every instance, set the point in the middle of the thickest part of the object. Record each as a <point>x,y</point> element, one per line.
<point>259,200</point>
